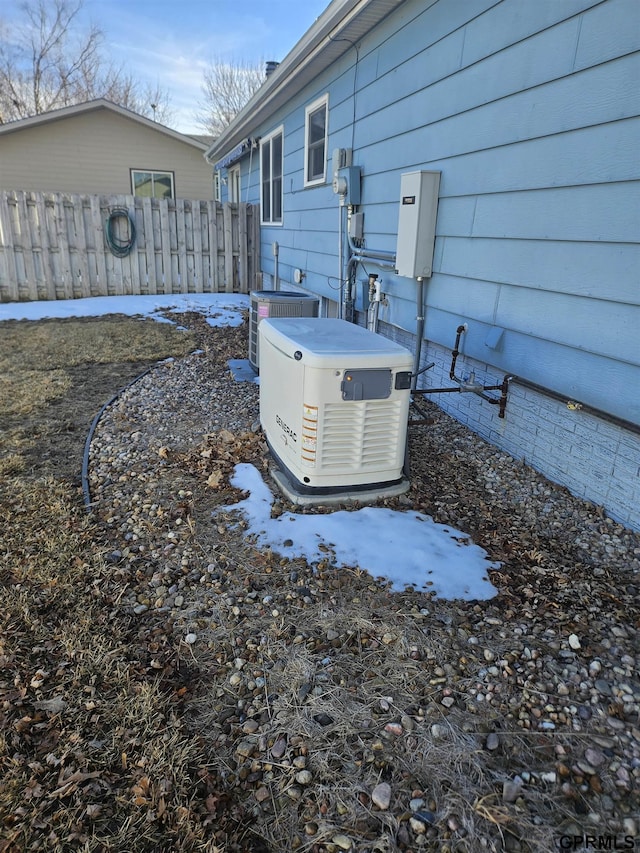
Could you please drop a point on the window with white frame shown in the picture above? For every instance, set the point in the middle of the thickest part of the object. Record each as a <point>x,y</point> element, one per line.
<point>152,184</point>
<point>217,193</point>
<point>233,188</point>
<point>315,142</point>
<point>271,178</point>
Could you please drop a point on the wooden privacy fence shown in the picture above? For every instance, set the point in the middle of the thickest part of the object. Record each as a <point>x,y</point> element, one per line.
<point>54,246</point>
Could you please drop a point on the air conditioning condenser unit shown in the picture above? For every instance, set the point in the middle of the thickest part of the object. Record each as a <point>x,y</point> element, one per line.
<point>334,405</point>
<point>276,303</point>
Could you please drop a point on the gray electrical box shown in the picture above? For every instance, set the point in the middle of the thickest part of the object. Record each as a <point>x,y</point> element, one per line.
<point>417,223</point>
<point>353,177</point>
<point>356,225</point>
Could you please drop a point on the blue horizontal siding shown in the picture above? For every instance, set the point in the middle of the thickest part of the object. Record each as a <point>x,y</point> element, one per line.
<point>422,134</point>
<point>598,270</point>
<point>609,212</point>
<point>531,113</point>
<point>552,365</point>
<point>601,35</point>
<point>598,327</point>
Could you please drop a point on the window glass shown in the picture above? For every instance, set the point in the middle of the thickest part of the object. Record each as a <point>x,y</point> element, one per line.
<point>142,184</point>
<point>233,176</point>
<point>271,153</point>
<point>152,184</point>
<point>276,164</point>
<point>315,154</point>
<point>315,136</point>
<point>266,181</point>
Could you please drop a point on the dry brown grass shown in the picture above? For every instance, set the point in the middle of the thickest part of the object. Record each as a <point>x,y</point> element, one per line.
<point>23,391</point>
<point>94,753</point>
<point>98,340</point>
<point>50,384</point>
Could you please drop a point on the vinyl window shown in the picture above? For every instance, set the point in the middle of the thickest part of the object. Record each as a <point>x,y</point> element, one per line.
<point>315,141</point>
<point>271,158</point>
<point>152,184</point>
<point>233,189</point>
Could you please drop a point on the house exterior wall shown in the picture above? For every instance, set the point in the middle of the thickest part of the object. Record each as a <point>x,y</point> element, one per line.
<point>530,111</point>
<point>595,458</point>
<point>93,152</point>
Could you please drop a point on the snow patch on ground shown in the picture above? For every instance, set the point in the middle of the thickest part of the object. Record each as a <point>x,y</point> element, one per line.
<point>407,548</point>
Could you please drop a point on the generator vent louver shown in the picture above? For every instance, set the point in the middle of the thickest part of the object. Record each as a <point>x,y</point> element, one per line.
<point>276,303</point>
<point>362,436</point>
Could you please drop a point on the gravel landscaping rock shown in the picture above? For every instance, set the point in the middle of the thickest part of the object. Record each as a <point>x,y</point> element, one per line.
<point>340,713</point>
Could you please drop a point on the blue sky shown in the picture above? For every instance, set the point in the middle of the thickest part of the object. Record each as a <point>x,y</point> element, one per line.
<point>170,42</point>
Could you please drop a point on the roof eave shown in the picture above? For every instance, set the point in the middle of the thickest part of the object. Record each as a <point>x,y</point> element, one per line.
<point>342,24</point>
<point>92,106</point>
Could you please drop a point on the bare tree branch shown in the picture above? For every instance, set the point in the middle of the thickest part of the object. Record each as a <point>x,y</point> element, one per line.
<point>50,61</point>
<point>227,87</point>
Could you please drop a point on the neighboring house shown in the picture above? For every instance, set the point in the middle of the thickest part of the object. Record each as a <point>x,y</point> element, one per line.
<point>99,147</point>
<point>529,112</point>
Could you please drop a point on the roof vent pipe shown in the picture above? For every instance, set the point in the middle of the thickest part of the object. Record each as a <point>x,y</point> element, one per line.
<point>270,67</point>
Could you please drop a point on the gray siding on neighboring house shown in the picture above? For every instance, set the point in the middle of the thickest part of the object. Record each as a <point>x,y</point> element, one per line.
<point>530,111</point>
<point>93,152</point>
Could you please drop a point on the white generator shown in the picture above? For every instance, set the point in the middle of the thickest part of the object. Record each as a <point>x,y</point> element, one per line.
<point>334,405</point>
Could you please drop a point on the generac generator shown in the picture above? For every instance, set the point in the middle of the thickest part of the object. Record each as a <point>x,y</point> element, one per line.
<point>334,405</point>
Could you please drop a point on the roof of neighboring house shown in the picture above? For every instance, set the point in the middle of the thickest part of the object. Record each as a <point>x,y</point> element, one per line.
<point>205,138</point>
<point>335,32</point>
<point>92,106</point>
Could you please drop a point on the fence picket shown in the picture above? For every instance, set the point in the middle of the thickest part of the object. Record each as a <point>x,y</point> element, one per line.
<point>228,248</point>
<point>8,249</point>
<point>214,278</point>
<point>243,246</point>
<point>53,246</point>
<point>149,246</point>
<point>81,278</point>
<point>100,284</point>
<point>25,215</point>
<point>197,213</point>
<point>66,267</point>
<point>46,267</point>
